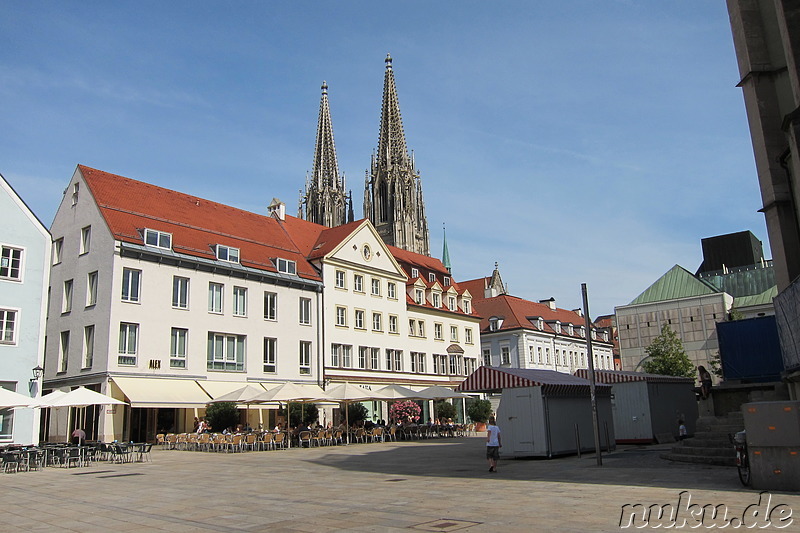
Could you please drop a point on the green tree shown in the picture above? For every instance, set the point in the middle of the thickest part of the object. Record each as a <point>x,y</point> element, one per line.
<point>222,415</point>
<point>444,410</point>
<point>308,411</point>
<point>357,412</point>
<point>667,356</point>
<point>479,410</point>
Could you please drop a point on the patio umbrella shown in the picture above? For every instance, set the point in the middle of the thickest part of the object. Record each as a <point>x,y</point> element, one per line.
<point>292,392</point>
<point>82,397</point>
<point>246,395</point>
<point>398,392</point>
<point>44,402</point>
<point>437,392</point>
<point>347,393</point>
<point>14,399</point>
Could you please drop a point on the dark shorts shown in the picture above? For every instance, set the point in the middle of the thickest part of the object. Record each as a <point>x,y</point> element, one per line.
<point>493,452</point>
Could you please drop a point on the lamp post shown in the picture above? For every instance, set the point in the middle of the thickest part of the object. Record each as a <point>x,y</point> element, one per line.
<point>38,372</point>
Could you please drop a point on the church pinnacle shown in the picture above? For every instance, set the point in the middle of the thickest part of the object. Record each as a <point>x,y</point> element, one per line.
<point>325,200</point>
<point>393,190</point>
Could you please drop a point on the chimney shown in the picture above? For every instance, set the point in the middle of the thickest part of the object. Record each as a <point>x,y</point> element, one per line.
<point>550,302</point>
<point>578,312</point>
<point>277,209</point>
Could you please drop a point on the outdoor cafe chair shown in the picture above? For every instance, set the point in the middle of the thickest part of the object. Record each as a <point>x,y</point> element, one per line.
<point>121,453</point>
<point>11,461</point>
<point>160,440</point>
<point>360,435</point>
<point>249,442</point>
<point>392,435</point>
<point>142,452</point>
<point>203,442</point>
<point>235,443</point>
<point>267,442</point>
<point>73,457</point>
<point>337,437</point>
<point>377,434</point>
<point>171,440</point>
<point>279,440</point>
<point>305,436</point>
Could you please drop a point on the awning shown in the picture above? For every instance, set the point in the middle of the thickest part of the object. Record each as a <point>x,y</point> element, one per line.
<point>167,393</point>
<point>622,376</point>
<point>215,389</point>
<point>487,378</point>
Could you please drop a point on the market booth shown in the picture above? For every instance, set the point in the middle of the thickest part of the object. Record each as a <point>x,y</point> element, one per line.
<point>648,406</point>
<point>543,412</point>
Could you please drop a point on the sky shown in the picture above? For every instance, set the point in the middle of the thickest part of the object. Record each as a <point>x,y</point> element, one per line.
<point>569,141</point>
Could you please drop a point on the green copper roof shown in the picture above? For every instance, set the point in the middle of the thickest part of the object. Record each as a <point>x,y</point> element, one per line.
<point>676,283</point>
<point>756,299</point>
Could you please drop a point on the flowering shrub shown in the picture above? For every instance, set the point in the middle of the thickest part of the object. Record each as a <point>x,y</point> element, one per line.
<point>404,410</point>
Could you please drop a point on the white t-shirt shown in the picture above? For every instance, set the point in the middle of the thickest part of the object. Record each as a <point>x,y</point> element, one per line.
<point>494,436</point>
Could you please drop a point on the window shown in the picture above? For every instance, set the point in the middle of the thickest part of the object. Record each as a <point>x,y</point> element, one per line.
<point>11,263</point>
<point>469,366</point>
<point>421,328</point>
<point>467,307</point>
<point>86,239</point>
<point>451,303</point>
<point>335,354</point>
<point>419,296</point>
<point>505,355</point>
<point>91,289</point>
<point>412,324</point>
<point>359,319</point>
<point>362,356</point>
<point>437,331</point>
<point>447,281</point>
<point>391,290</point>
<point>392,324</point>
<point>394,360</point>
<point>454,365</point>
<point>414,273</point>
<point>376,287</point>
<point>227,254</point>
<point>487,357</point>
<point>239,301</point>
<point>131,284</point>
<point>377,322</point>
<point>305,311</point>
<point>7,415</point>
<point>431,277</point>
<point>159,239</point>
<point>88,346</point>
<point>270,306</point>
<point>453,333</point>
<point>58,247</point>
<point>358,283</point>
<point>417,362</point>
<point>226,352</point>
<point>66,306</point>
<point>63,352</point>
<point>180,292</point>
<point>437,300</point>
<point>547,355</point>
<point>215,297</point>
<point>128,340</point>
<point>8,326</point>
<point>341,316</point>
<point>340,279</point>
<point>468,336</point>
<point>286,266</point>
<point>75,190</point>
<point>305,357</point>
<point>347,355</point>
<point>374,355</point>
<point>270,354</point>
<point>177,347</point>
<point>539,354</point>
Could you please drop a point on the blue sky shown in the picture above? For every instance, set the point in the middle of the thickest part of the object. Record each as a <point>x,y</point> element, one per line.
<point>572,141</point>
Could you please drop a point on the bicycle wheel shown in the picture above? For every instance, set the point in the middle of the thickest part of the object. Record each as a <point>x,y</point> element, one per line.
<point>744,473</point>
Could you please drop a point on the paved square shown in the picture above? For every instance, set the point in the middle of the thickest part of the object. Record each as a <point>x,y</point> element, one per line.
<point>436,485</point>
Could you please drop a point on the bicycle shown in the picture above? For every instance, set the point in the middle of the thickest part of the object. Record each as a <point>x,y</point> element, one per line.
<point>739,441</point>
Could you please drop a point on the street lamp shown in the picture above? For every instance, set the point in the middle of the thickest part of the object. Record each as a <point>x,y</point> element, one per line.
<point>38,372</point>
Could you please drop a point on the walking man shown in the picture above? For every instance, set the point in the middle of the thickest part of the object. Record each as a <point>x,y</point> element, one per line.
<point>493,444</point>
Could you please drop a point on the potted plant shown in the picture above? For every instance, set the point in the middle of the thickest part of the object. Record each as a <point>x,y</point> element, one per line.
<point>479,411</point>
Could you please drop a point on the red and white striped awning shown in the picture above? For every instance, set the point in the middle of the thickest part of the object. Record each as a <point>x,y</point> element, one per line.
<point>487,378</point>
<point>621,376</point>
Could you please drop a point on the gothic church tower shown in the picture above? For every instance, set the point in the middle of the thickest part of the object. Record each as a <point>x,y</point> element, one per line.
<point>393,190</point>
<point>325,200</point>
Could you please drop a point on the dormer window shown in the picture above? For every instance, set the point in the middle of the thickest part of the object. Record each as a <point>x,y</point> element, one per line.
<point>437,299</point>
<point>285,266</point>
<point>446,281</point>
<point>495,323</point>
<point>468,307</point>
<point>431,277</point>
<point>570,329</point>
<point>227,253</point>
<point>159,239</point>
<point>414,273</point>
<point>451,303</point>
<point>540,323</point>
<point>583,331</point>
<point>557,326</point>
<point>419,296</point>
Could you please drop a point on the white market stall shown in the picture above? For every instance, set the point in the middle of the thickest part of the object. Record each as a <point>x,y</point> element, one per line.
<point>543,413</point>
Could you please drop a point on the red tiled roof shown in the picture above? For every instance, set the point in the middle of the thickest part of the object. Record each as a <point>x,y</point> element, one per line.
<point>196,224</point>
<point>476,287</point>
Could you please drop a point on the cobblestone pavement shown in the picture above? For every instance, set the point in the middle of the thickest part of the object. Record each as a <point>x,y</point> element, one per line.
<point>436,485</point>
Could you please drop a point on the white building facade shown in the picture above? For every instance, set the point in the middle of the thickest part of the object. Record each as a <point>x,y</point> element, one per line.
<point>24,273</point>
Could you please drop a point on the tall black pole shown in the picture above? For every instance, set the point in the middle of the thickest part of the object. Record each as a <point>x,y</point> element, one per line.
<point>592,387</point>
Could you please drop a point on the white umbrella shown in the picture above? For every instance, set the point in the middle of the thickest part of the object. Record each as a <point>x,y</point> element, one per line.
<point>398,392</point>
<point>82,397</point>
<point>45,401</point>
<point>292,392</point>
<point>14,399</point>
<point>437,392</point>
<point>348,393</point>
<point>246,395</point>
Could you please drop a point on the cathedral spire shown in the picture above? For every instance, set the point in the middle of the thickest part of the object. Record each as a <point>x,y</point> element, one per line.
<point>445,251</point>
<point>393,189</point>
<point>325,200</point>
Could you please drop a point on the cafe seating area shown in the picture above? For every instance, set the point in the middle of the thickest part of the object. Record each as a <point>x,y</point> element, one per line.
<point>32,458</point>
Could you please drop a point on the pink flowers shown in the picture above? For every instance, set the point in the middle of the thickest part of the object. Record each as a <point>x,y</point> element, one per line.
<point>404,410</point>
